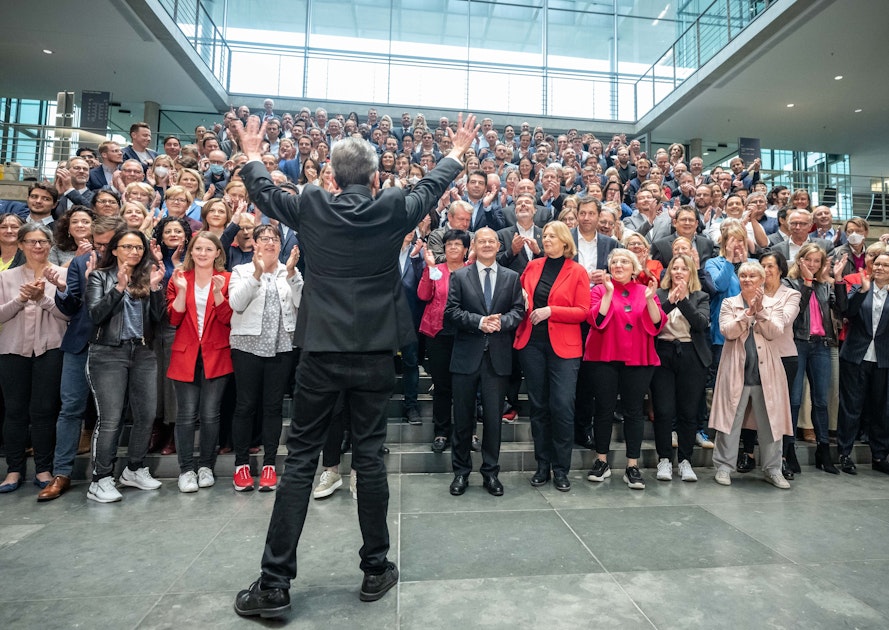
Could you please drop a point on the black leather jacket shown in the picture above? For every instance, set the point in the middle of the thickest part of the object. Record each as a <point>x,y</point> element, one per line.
<point>824,293</point>
<point>104,304</point>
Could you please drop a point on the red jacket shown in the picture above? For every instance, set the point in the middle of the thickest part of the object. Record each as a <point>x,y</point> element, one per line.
<point>627,332</point>
<point>214,344</point>
<point>569,301</point>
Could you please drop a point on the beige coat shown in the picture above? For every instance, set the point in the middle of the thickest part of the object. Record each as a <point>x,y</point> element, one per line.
<point>734,324</point>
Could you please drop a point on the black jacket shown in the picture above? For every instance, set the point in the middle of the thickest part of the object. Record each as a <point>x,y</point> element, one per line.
<point>696,309</point>
<point>826,300</point>
<point>104,304</point>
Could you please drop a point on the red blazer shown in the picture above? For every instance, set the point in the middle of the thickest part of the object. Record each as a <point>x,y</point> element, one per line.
<point>214,344</point>
<point>627,332</point>
<point>569,300</point>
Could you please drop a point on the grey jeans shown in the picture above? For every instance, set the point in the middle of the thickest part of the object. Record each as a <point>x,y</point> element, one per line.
<point>725,452</point>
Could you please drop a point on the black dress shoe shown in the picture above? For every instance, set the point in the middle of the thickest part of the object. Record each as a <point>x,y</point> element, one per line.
<point>540,477</point>
<point>746,463</point>
<point>458,485</point>
<point>561,483</point>
<point>493,486</point>
<point>847,465</point>
<point>881,465</point>
<point>785,470</point>
<point>259,602</point>
<point>439,444</point>
<point>585,442</point>
<point>375,586</point>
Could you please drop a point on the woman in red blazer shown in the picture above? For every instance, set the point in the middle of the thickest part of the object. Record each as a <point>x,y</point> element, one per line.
<point>557,291</point>
<point>197,305</point>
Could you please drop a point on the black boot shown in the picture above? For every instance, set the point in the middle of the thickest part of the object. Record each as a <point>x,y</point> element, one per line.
<point>790,456</point>
<point>822,459</point>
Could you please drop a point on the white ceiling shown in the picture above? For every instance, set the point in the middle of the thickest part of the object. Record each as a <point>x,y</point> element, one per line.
<point>105,45</point>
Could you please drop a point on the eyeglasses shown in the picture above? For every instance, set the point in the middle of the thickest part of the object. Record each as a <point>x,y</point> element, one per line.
<point>268,239</point>
<point>881,265</point>
<point>106,202</point>
<point>127,247</point>
<point>177,200</point>
<point>34,242</point>
<point>798,223</point>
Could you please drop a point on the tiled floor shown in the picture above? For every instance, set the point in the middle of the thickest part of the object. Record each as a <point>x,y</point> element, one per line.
<point>676,555</point>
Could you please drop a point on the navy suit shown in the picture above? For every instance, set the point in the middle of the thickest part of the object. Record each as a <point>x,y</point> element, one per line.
<point>97,178</point>
<point>490,218</point>
<point>481,361</point>
<point>604,245</point>
<point>130,154</point>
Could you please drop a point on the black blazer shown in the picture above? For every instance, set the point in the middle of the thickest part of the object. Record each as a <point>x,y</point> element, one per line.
<point>97,178</point>
<point>516,262</point>
<point>352,299</point>
<point>696,310</point>
<point>604,245</point>
<point>858,309</point>
<point>662,249</point>
<point>104,304</point>
<point>465,309</point>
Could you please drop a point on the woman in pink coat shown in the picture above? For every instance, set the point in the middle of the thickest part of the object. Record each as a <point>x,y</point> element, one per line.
<point>751,381</point>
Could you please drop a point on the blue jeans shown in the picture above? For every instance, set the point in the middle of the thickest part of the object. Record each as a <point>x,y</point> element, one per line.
<point>75,393</point>
<point>814,364</point>
<point>551,381</point>
<point>199,397</point>
<point>117,374</point>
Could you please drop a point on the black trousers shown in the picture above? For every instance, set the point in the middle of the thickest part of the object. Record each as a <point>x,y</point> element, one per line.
<point>367,381</point>
<point>631,382</point>
<point>439,349</point>
<point>864,389</point>
<point>340,421</point>
<point>493,389</point>
<point>584,396</point>
<point>677,386</point>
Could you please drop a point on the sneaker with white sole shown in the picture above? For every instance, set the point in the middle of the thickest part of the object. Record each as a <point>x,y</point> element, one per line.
<point>633,478</point>
<point>104,491</point>
<point>330,482</point>
<point>664,470</point>
<point>685,471</point>
<point>188,482</point>
<point>675,439</point>
<point>723,477</point>
<point>600,472</point>
<point>268,479</point>
<point>141,479</point>
<point>243,480</point>
<point>703,440</point>
<point>775,478</point>
<point>205,477</point>
<point>353,483</point>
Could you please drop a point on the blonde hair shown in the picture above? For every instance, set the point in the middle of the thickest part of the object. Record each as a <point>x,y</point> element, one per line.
<point>694,283</point>
<point>804,251</point>
<point>563,233</point>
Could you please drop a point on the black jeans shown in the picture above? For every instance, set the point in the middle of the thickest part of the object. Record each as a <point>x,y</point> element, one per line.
<point>201,397</point>
<point>31,393</point>
<point>367,381</point>
<point>631,382</point>
<point>439,349</point>
<point>340,421</point>
<point>261,383</point>
<point>677,387</point>
<point>551,381</point>
<point>864,389</point>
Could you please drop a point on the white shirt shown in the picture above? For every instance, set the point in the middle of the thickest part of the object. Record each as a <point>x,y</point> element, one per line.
<point>480,268</point>
<point>200,304</point>
<point>529,234</point>
<point>587,251</point>
<point>793,250</point>
<point>879,300</point>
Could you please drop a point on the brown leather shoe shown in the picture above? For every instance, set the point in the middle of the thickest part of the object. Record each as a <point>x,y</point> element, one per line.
<point>85,443</point>
<point>55,489</point>
<point>809,435</point>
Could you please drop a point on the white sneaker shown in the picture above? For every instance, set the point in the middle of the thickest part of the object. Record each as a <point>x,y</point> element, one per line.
<point>205,477</point>
<point>703,440</point>
<point>675,439</point>
<point>353,484</point>
<point>329,483</point>
<point>665,470</point>
<point>141,479</point>
<point>104,491</point>
<point>686,472</point>
<point>775,478</point>
<point>723,477</point>
<point>188,482</point>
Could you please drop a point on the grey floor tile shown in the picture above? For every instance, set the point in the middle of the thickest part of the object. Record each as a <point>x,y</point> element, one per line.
<point>429,493</point>
<point>806,532</point>
<point>489,544</point>
<point>13,534</point>
<point>771,596</point>
<point>864,580</point>
<point>878,508</point>
<point>21,507</point>
<point>665,537</point>
<point>557,601</point>
<point>96,613</point>
<point>322,609</point>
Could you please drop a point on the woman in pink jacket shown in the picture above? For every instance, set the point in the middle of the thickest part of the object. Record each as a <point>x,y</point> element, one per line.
<point>625,317</point>
<point>433,290</point>
<point>751,381</point>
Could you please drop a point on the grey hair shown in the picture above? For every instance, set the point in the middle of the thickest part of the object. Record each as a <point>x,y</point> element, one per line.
<point>354,161</point>
<point>756,195</point>
<point>31,226</point>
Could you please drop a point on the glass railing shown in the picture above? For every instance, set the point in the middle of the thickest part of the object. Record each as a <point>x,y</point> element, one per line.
<point>198,27</point>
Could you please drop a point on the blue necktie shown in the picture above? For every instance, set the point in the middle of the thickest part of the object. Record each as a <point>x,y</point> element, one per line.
<point>489,292</point>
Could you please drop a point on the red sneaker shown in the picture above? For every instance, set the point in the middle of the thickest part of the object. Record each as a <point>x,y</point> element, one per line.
<point>511,415</point>
<point>243,480</point>
<point>268,480</point>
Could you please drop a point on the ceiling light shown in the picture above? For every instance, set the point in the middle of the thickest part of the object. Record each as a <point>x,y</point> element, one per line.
<point>47,51</point>
<point>706,153</point>
<point>789,104</point>
<point>858,111</point>
<point>838,77</point>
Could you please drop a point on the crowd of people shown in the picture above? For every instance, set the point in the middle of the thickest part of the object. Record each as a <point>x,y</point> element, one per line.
<point>614,283</point>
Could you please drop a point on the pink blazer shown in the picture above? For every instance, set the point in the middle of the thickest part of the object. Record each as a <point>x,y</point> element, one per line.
<point>626,334</point>
<point>435,293</point>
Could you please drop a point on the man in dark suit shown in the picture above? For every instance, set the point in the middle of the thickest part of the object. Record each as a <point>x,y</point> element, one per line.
<point>800,224</point>
<point>486,305</point>
<point>593,249</point>
<point>551,196</point>
<point>542,215</point>
<point>353,318</point>
<point>411,264</point>
<point>140,137</point>
<point>485,203</point>
<point>70,291</point>
<point>686,224</point>
<point>71,183</point>
<point>103,175</point>
<point>864,366</point>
